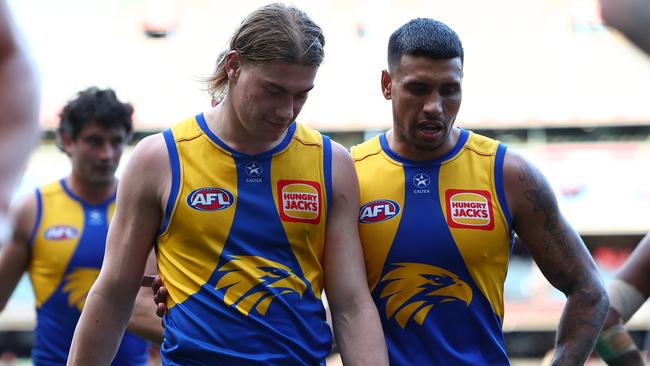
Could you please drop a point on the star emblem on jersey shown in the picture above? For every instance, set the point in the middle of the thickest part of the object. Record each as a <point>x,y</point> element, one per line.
<point>253,169</point>
<point>421,180</point>
<point>96,217</point>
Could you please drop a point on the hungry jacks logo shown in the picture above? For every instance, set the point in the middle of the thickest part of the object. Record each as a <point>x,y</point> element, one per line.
<point>469,209</point>
<point>300,201</point>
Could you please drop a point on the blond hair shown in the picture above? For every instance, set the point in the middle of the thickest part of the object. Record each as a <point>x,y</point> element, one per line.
<point>274,32</point>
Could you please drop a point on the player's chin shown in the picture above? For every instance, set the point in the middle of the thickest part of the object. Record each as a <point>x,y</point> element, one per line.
<point>101,179</point>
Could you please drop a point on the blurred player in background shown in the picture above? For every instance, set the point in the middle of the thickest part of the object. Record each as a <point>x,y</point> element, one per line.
<point>630,17</point>
<point>60,230</point>
<point>628,290</point>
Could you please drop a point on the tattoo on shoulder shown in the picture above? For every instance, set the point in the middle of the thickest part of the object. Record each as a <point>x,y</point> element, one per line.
<point>558,242</point>
<point>542,198</point>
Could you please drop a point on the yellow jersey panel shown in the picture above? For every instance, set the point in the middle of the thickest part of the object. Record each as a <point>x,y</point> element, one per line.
<point>67,251</point>
<point>184,265</point>
<point>380,213</point>
<point>474,215</point>
<point>55,241</point>
<point>301,201</point>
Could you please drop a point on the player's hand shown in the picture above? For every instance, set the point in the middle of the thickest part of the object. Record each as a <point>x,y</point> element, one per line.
<point>159,296</point>
<point>159,293</point>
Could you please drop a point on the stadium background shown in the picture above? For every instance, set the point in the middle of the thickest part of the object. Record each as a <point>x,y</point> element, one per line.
<point>544,76</point>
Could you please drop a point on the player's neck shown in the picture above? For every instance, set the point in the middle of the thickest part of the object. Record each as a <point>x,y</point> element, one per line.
<point>223,122</point>
<point>91,192</point>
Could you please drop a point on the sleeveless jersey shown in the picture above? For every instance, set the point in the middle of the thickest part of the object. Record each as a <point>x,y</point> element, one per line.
<point>67,250</point>
<point>437,239</point>
<point>241,247</point>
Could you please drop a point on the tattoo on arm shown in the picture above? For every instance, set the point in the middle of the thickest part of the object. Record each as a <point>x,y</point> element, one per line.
<point>586,306</point>
<point>540,195</point>
<point>543,200</point>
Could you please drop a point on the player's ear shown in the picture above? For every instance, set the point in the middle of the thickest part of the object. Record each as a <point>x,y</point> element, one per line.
<point>385,84</point>
<point>65,142</point>
<point>233,65</point>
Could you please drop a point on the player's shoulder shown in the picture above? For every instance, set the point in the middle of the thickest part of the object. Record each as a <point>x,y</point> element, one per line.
<point>187,129</point>
<point>514,162</point>
<point>340,154</point>
<point>481,144</point>
<point>149,158</point>
<point>307,135</point>
<point>524,183</point>
<point>367,148</point>
<point>150,147</point>
<point>24,212</point>
<point>51,187</point>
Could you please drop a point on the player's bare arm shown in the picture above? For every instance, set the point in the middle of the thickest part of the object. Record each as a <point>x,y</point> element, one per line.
<point>562,257</point>
<point>19,98</point>
<point>135,223</point>
<point>630,17</point>
<point>628,290</point>
<point>14,255</point>
<point>636,269</point>
<point>356,323</point>
<point>144,322</point>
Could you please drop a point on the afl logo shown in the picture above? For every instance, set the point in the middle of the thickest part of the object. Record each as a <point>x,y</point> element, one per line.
<point>377,211</point>
<point>210,199</point>
<point>60,232</point>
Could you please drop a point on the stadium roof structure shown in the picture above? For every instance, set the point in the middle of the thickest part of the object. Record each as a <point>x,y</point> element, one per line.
<point>551,64</point>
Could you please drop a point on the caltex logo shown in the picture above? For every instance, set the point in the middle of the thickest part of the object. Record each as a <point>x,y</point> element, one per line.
<point>253,169</point>
<point>421,180</point>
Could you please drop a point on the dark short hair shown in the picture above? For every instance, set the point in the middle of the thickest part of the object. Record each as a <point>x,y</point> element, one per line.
<point>424,37</point>
<point>95,105</point>
<point>273,32</point>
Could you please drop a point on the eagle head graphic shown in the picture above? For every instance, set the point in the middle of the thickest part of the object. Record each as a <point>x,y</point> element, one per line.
<point>252,281</point>
<point>412,289</point>
<point>78,283</point>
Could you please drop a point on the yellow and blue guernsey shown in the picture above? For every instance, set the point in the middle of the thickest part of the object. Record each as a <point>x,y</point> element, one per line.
<point>437,238</point>
<point>241,247</point>
<point>67,250</point>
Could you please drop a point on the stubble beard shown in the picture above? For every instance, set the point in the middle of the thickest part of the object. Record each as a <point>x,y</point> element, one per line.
<point>413,142</point>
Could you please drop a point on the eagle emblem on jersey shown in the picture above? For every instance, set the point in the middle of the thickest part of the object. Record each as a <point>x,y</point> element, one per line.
<point>253,282</point>
<point>412,289</point>
<point>78,284</point>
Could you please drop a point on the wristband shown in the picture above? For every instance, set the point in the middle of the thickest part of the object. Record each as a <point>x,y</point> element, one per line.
<point>624,298</point>
<point>614,342</point>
